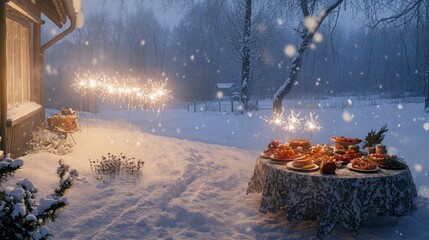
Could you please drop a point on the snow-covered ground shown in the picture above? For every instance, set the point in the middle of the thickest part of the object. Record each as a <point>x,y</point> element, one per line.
<point>197,166</point>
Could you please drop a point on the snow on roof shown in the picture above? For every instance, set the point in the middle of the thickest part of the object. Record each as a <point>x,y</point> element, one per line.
<point>225,85</point>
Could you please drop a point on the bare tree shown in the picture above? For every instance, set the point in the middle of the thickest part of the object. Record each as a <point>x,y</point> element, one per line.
<point>401,13</point>
<point>426,27</point>
<point>245,55</point>
<point>241,19</point>
<point>310,27</point>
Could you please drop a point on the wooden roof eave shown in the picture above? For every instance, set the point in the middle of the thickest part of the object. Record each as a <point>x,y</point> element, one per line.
<point>71,14</point>
<point>55,10</point>
<point>31,11</point>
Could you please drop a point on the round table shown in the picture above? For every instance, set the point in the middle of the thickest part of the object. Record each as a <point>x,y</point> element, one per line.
<point>346,197</point>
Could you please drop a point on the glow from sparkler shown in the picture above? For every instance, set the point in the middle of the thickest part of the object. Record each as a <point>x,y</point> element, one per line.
<point>293,122</point>
<point>127,90</point>
<point>275,119</point>
<point>312,125</point>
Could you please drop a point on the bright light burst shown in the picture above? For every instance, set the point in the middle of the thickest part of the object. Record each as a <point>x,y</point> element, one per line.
<point>293,122</point>
<point>128,90</point>
<point>276,119</point>
<point>311,124</point>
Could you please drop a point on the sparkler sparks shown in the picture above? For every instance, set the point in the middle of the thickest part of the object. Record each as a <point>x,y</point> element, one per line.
<point>128,90</point>
<point>312,125</point>
<point>276,119</point>
<point>293,122</point>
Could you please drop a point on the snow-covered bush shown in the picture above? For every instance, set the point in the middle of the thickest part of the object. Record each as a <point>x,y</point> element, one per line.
<point>21,217</point>
<point>114,166</point>
<point>8,166</point>
<point>45,141</point>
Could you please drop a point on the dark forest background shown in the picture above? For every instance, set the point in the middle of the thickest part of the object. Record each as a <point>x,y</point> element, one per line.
<point>204,49</point>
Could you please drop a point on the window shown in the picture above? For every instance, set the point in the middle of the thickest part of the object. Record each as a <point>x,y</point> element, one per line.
<point>18,63</point>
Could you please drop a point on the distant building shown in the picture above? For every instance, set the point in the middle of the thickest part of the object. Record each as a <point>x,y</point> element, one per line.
<point>229,91</point>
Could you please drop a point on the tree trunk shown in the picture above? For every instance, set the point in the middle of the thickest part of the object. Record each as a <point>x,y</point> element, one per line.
<point>245,71</point>
<point>293,73</point>
<point>427,59</point>
<point>306,38</point>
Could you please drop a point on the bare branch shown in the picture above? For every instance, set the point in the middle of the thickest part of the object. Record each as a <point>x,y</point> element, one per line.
<point>304,8</point>
<point>409,8</point>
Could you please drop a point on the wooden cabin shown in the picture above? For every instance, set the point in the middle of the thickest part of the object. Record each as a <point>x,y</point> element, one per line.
<point>22,64</point>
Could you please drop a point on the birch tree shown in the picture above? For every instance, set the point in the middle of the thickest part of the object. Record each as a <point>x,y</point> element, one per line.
<point>310,24</point>
<point>245,55</point>
<point>240,17</point>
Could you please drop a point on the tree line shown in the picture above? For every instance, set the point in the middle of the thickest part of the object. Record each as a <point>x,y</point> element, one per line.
<point>216,41</point>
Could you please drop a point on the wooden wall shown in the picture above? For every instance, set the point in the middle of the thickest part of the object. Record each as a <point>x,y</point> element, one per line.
<point>20,134</point>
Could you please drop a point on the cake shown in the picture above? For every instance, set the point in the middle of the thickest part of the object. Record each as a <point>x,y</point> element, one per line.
<point>295,143</point>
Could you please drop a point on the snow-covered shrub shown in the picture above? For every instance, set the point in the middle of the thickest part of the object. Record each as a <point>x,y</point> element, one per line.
<point>114,166</point>
<point>44,140</point>
<point>8,166</point>
<point>21,217</point>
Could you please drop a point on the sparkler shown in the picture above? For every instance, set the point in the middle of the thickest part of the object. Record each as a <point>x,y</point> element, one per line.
<point>312,125</point>
<point>275,119</point>
<point>127,90</point>
<point>293,122</point>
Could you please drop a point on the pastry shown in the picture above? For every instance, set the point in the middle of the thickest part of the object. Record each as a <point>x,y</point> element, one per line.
<point>303,162</point>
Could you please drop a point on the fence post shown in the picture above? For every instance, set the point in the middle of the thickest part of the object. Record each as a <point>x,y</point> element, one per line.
<point>232,106</point>
<point>195,105</point>
<point>257,105</point>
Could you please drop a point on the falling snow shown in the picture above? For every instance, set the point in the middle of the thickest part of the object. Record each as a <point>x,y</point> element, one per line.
<point>426,126</point>
<point>310,23</point>
<point>198,163</point>
<point>290,50</point>
<point>209,159</point>
<point>318,37</point>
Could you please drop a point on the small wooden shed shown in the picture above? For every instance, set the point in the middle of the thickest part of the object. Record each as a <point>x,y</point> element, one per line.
<point>22,64</point>
<point>230,91</point>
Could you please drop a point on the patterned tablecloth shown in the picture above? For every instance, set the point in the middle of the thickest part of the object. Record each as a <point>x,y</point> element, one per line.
<point>346,197</point>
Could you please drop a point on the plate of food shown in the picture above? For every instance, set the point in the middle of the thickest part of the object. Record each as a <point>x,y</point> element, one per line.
<point>266,154</point>
<point>276,160</point>
<point>362,165</point>
<point>283,152</point>
<point>304,163</point>
<point>307,168</point>
<point>271,149</point>
<point>342,141</point>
